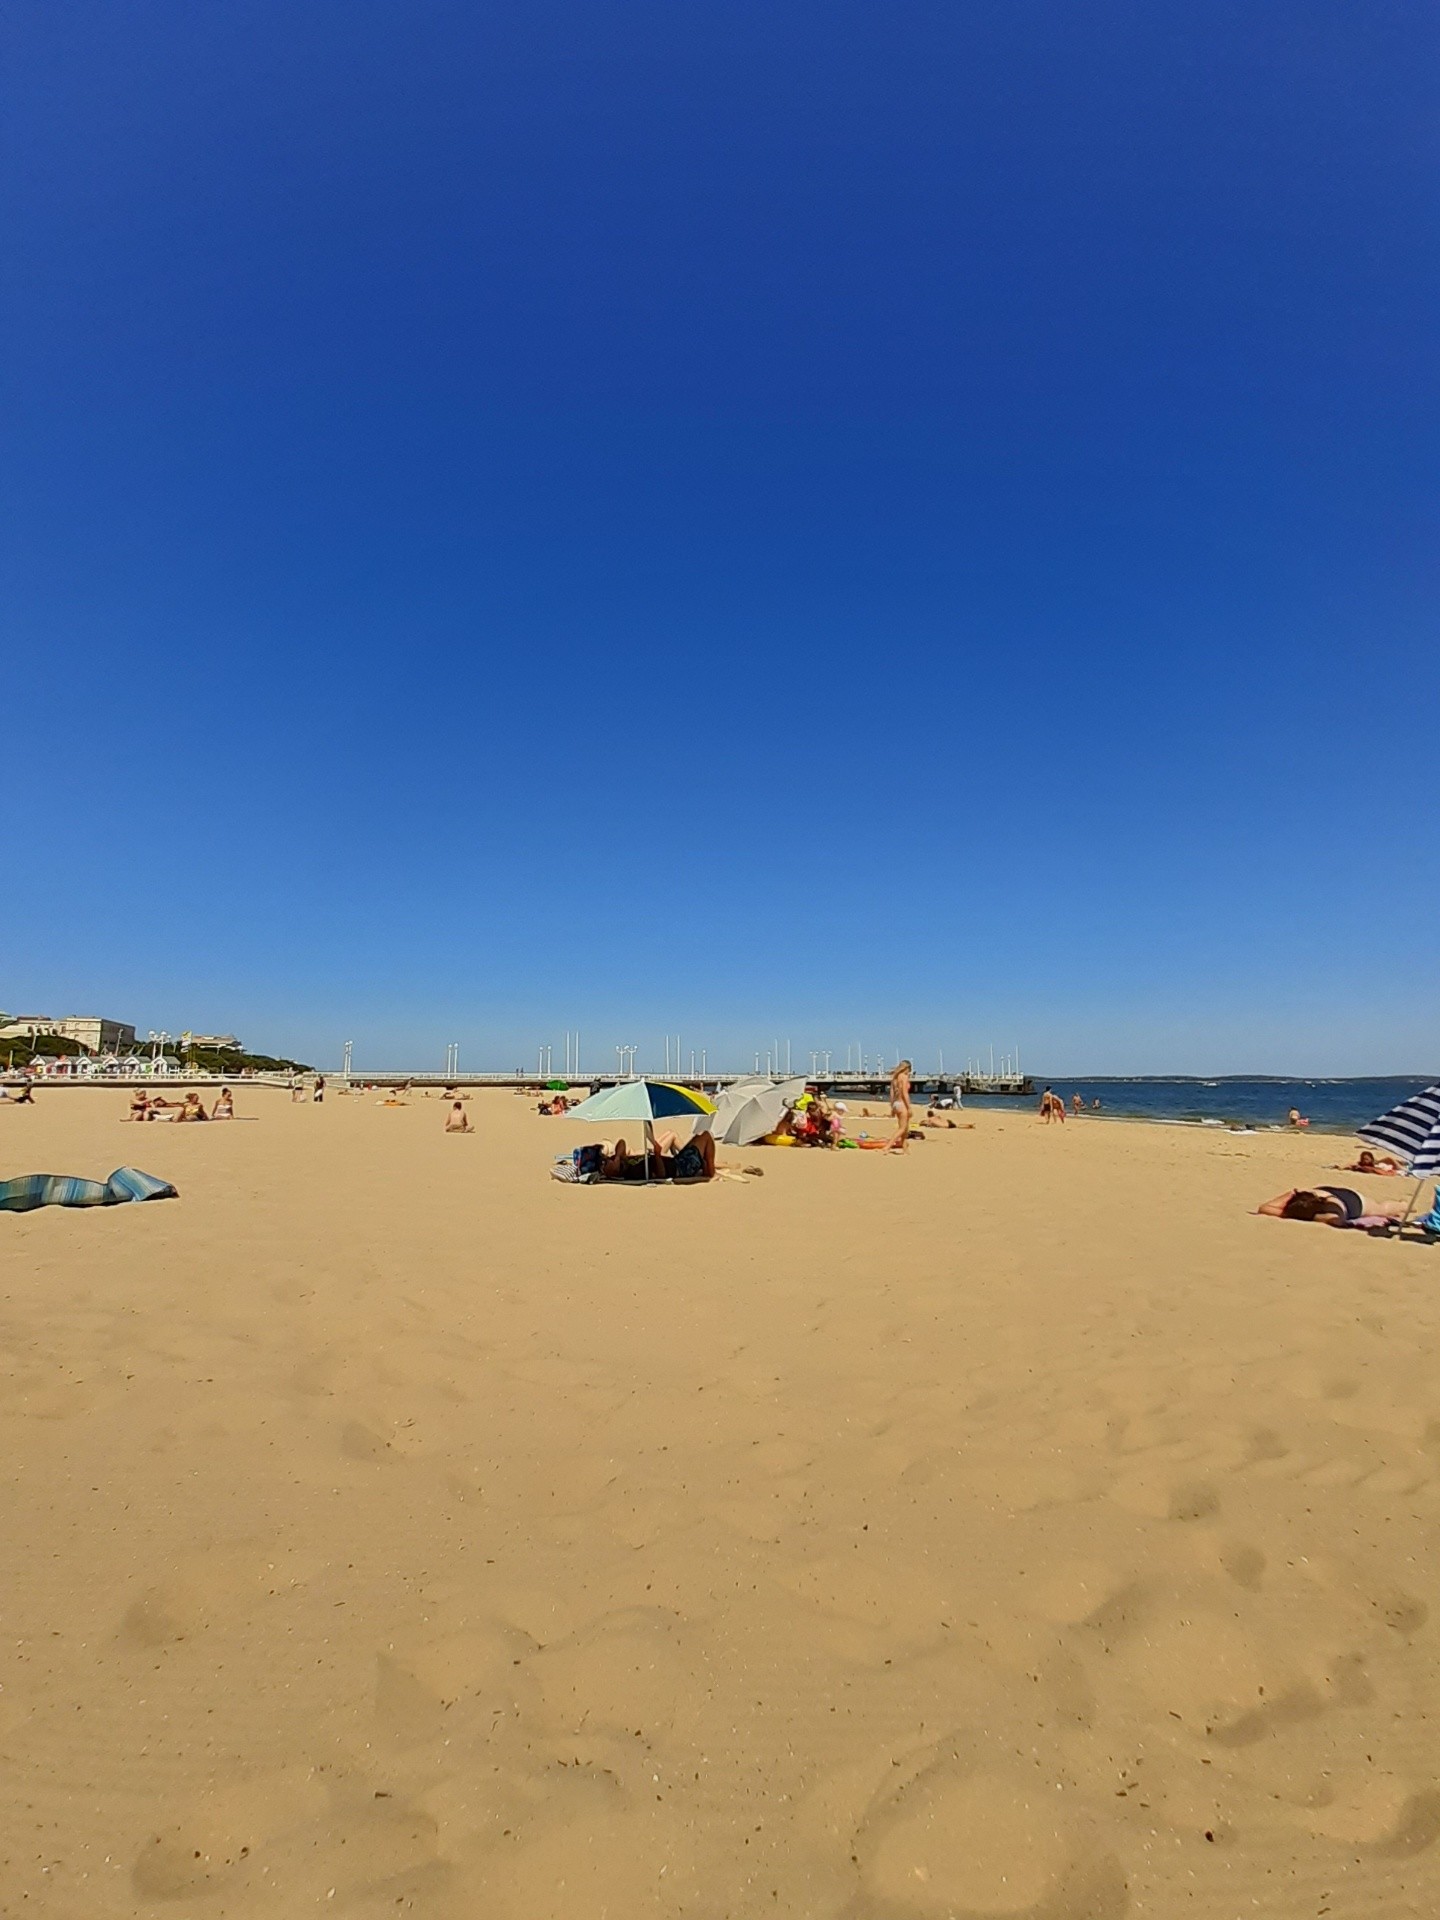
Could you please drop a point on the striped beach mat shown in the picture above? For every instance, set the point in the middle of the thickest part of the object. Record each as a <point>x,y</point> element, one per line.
<point>28,1190</point>
<point>1412,1130</point>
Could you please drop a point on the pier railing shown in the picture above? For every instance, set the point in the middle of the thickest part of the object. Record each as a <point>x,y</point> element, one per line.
<point>845,1081</point>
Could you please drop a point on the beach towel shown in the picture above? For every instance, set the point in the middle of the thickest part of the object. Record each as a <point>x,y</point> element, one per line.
<point>29,1190</point>
<point>568,1170</point>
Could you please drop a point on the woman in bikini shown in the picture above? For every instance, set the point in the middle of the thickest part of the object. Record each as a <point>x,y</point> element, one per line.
<point>900,1106</point>
<point>1373,1163</point>
<point>1328,1207</point>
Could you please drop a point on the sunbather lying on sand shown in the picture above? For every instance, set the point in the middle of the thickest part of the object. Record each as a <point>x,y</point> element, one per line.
<point>670,1159</point>
<point>1329,1207</point>
<point>1372,1163</point>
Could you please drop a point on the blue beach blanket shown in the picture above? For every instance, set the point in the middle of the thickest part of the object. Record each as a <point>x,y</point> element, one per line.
<point>29,1190</point>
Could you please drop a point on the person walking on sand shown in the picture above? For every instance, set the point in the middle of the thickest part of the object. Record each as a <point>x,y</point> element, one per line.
<point>900,1106</point>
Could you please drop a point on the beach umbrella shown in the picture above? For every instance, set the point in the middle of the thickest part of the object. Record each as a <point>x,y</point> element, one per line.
<point>749,1109</point>
<point>646,1101</point>
<point>1411,1130</point>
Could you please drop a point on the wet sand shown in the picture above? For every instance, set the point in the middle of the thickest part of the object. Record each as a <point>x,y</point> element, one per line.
<point>1017,1528</point>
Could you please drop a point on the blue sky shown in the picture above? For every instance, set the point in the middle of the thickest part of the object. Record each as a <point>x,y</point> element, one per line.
<point>908,524</point>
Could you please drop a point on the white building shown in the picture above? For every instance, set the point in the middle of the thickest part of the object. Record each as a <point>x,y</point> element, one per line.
<point>89,1031</point>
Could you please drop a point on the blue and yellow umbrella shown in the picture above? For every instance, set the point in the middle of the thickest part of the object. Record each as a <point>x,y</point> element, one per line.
<point>643,1100</point>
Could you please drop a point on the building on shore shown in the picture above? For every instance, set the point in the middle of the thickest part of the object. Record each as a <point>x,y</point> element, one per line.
<point>212,1042</point>
<point>89,1031</point>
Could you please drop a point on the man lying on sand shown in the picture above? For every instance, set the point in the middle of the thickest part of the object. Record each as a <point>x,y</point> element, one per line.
<point>1329,1207</point>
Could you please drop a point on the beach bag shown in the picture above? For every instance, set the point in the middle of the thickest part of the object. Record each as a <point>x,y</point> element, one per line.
<point>588,1160</point>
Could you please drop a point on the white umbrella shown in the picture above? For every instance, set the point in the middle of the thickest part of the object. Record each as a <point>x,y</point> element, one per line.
<point>749,1109</point>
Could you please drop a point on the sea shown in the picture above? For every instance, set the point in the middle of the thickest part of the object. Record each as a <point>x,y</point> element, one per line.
<point>1331,1106</point>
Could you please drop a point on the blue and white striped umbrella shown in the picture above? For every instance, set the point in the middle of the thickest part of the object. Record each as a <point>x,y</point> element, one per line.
<point>1411,1130</point>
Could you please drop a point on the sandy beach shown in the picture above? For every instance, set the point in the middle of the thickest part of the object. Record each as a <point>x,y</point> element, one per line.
<point>1019,1528</point>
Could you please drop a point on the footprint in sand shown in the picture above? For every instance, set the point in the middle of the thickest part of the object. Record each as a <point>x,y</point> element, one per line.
<point>1393,1608</point>
<point>224,1832</point>
<point>1244,1563</point>
<point>440,1685</point>
<point>635,1669</point>
<point>1388,1816</point>
<point>379,1443</point>
<point>1263,1444</point>
<point>1402,1612</point>
<point>161,1617</point>
<point>1158,1496</point>
<point>1237,1559</point>
<point>1083,1592</point>
<point>1219,1680</point>
<point>963,1844</point>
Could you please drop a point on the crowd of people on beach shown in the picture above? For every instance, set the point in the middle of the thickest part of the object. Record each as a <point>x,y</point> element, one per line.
<point>812,1119</point>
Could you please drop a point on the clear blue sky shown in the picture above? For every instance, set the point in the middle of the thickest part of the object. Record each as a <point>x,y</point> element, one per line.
<point>910,523</point>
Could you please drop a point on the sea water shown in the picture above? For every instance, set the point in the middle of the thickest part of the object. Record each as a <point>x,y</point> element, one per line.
<point>1333,1106</point>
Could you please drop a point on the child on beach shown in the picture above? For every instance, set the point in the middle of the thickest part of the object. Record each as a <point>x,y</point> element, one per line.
<point>457,1120</point>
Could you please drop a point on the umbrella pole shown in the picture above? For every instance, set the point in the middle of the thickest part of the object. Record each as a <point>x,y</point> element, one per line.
<point>649,1135</point>
<point>1410,1204</point>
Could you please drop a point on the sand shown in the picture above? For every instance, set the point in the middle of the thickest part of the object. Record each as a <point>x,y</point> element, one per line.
<point>1017,1529</point>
